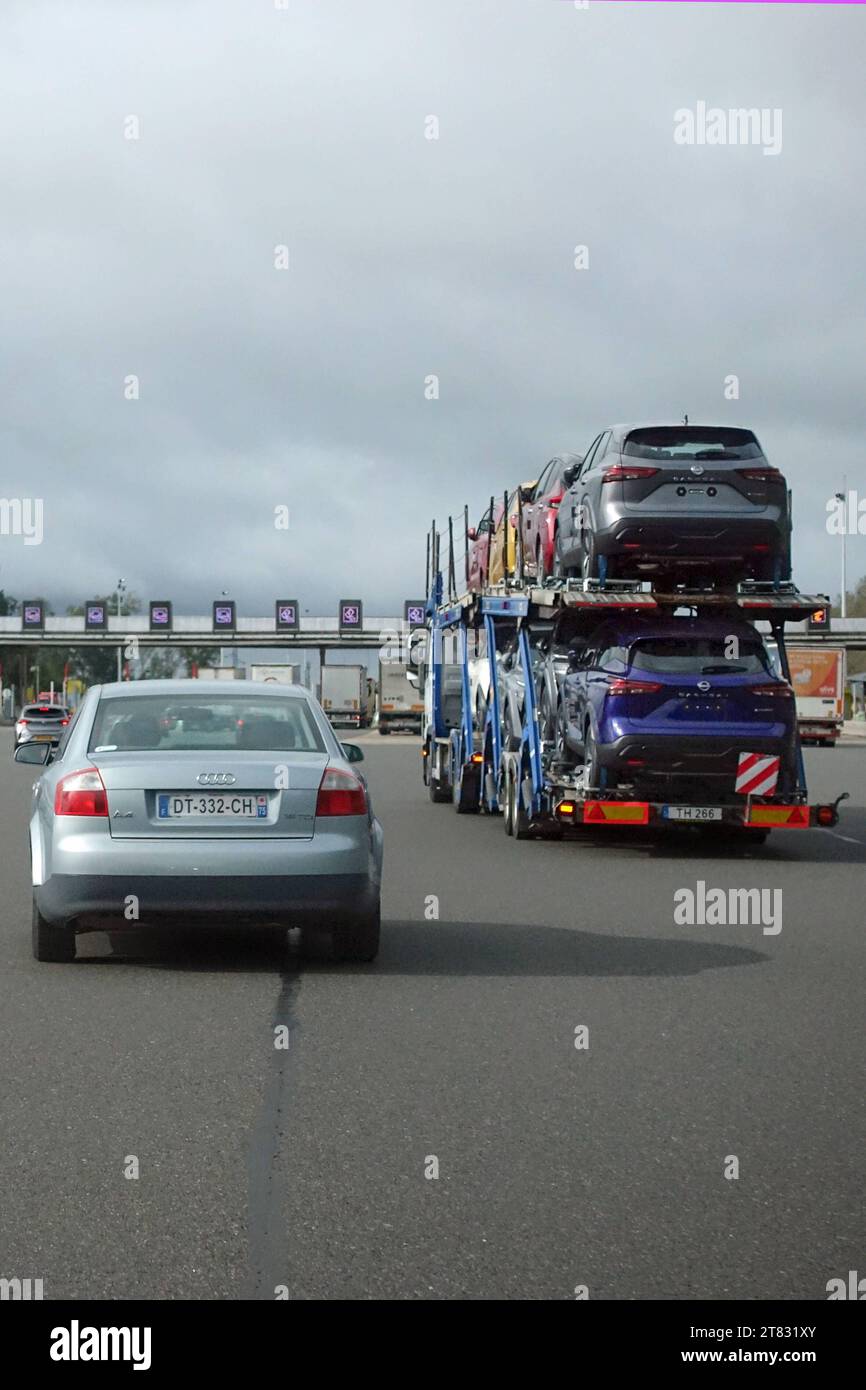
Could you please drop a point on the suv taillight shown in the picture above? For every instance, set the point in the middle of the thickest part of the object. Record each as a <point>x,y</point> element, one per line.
<point>779,689</point>
<point>627,687</point>
<point>761,475</point>
<point>626,473</point>
<point>81,794</point>
<point>340,794</point>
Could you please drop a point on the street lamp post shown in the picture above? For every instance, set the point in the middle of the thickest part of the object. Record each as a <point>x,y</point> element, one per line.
<point>121,586</point>
<point>843,498</point>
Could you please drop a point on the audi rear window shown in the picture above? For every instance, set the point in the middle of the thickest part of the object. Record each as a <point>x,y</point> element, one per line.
<point>699,656</point>
<point>692,443</point>
<point>192,723</point>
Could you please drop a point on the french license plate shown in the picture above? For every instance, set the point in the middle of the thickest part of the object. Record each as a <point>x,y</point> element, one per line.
<point>699,813</point>
<point>199,806</point>
<point>42,738</point>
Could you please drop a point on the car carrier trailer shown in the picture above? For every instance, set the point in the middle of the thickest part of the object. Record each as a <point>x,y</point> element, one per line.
<point>468,765</point>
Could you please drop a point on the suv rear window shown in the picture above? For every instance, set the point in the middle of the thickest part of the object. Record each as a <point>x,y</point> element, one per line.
<point>186,723</point>
<point>699,656</point>
<point>675,442</point>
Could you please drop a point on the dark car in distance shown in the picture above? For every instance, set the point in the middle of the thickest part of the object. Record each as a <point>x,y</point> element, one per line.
<point>669,705</point>
<point>686,502</point>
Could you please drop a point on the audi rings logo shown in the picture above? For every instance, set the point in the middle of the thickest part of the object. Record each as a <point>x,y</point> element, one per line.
<point>216,779</point>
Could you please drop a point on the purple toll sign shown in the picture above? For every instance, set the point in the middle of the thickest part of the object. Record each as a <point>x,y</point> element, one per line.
<point>224,615</point>
<point>287,619</point>
<point>351,614</point>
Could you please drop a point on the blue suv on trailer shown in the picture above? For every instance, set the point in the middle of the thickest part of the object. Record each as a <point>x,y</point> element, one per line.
<point>668,705</point>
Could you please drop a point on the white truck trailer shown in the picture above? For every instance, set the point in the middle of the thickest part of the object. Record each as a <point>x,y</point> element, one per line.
<point>818,678</point>
<point>348,695</point>
<point>278,674</point>
<point>400,704</point>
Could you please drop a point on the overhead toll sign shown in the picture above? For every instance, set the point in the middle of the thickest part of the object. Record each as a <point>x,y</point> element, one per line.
<point>95,617</point>
<point>414,612</point>
<point>32,616</point>
<point>351,615</point>
<point>160,616</point>
<point>224,618</point>
<point>287,617</point>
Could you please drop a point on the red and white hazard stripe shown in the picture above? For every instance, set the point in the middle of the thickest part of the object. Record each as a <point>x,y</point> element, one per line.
<point>757,774</point>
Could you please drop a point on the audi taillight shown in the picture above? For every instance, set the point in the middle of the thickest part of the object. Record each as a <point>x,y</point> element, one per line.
<point>761,475</point>
<point>340,794</point>
<point>81,794</point>
<point>627,687</point>
<point>626,473</point>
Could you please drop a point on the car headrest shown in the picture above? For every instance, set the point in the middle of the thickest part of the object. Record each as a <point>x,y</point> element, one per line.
<point>262,731</point>
<point>141,731</point>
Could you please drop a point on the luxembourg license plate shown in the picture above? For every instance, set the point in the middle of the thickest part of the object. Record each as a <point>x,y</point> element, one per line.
<point>198,806</point>
<point>696,813</point>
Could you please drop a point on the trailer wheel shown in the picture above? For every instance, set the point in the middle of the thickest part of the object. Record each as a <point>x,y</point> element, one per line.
<point>434,784</point>
<point>521,824</point>
<point>506,801</point>
<point>734,835</point>
<point>745,836</point>
<point>384,729</point>
<point>436,792</point>
<point>466,791</point>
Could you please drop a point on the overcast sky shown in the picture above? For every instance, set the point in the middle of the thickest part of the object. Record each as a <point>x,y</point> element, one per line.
<point>306,127</point>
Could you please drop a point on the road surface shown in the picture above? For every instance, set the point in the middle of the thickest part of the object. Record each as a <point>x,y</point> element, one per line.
<point>305,1169</point>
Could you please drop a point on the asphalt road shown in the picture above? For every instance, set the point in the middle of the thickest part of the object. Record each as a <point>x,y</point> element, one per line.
<point>557,1166</point>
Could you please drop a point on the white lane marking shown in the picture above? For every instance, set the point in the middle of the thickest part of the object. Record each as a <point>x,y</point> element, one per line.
<point>846,838</point>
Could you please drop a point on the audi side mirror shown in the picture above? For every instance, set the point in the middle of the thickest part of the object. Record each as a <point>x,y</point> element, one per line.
<point>570,474</point>
<point>35,754</point>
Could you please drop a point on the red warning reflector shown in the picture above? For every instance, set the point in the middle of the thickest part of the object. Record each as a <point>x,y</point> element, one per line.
<point>757,774</point>
<point>616,813</point>
<point>785,817</point>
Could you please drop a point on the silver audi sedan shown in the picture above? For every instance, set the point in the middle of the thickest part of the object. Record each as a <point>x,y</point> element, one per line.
<point>184,802</point>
